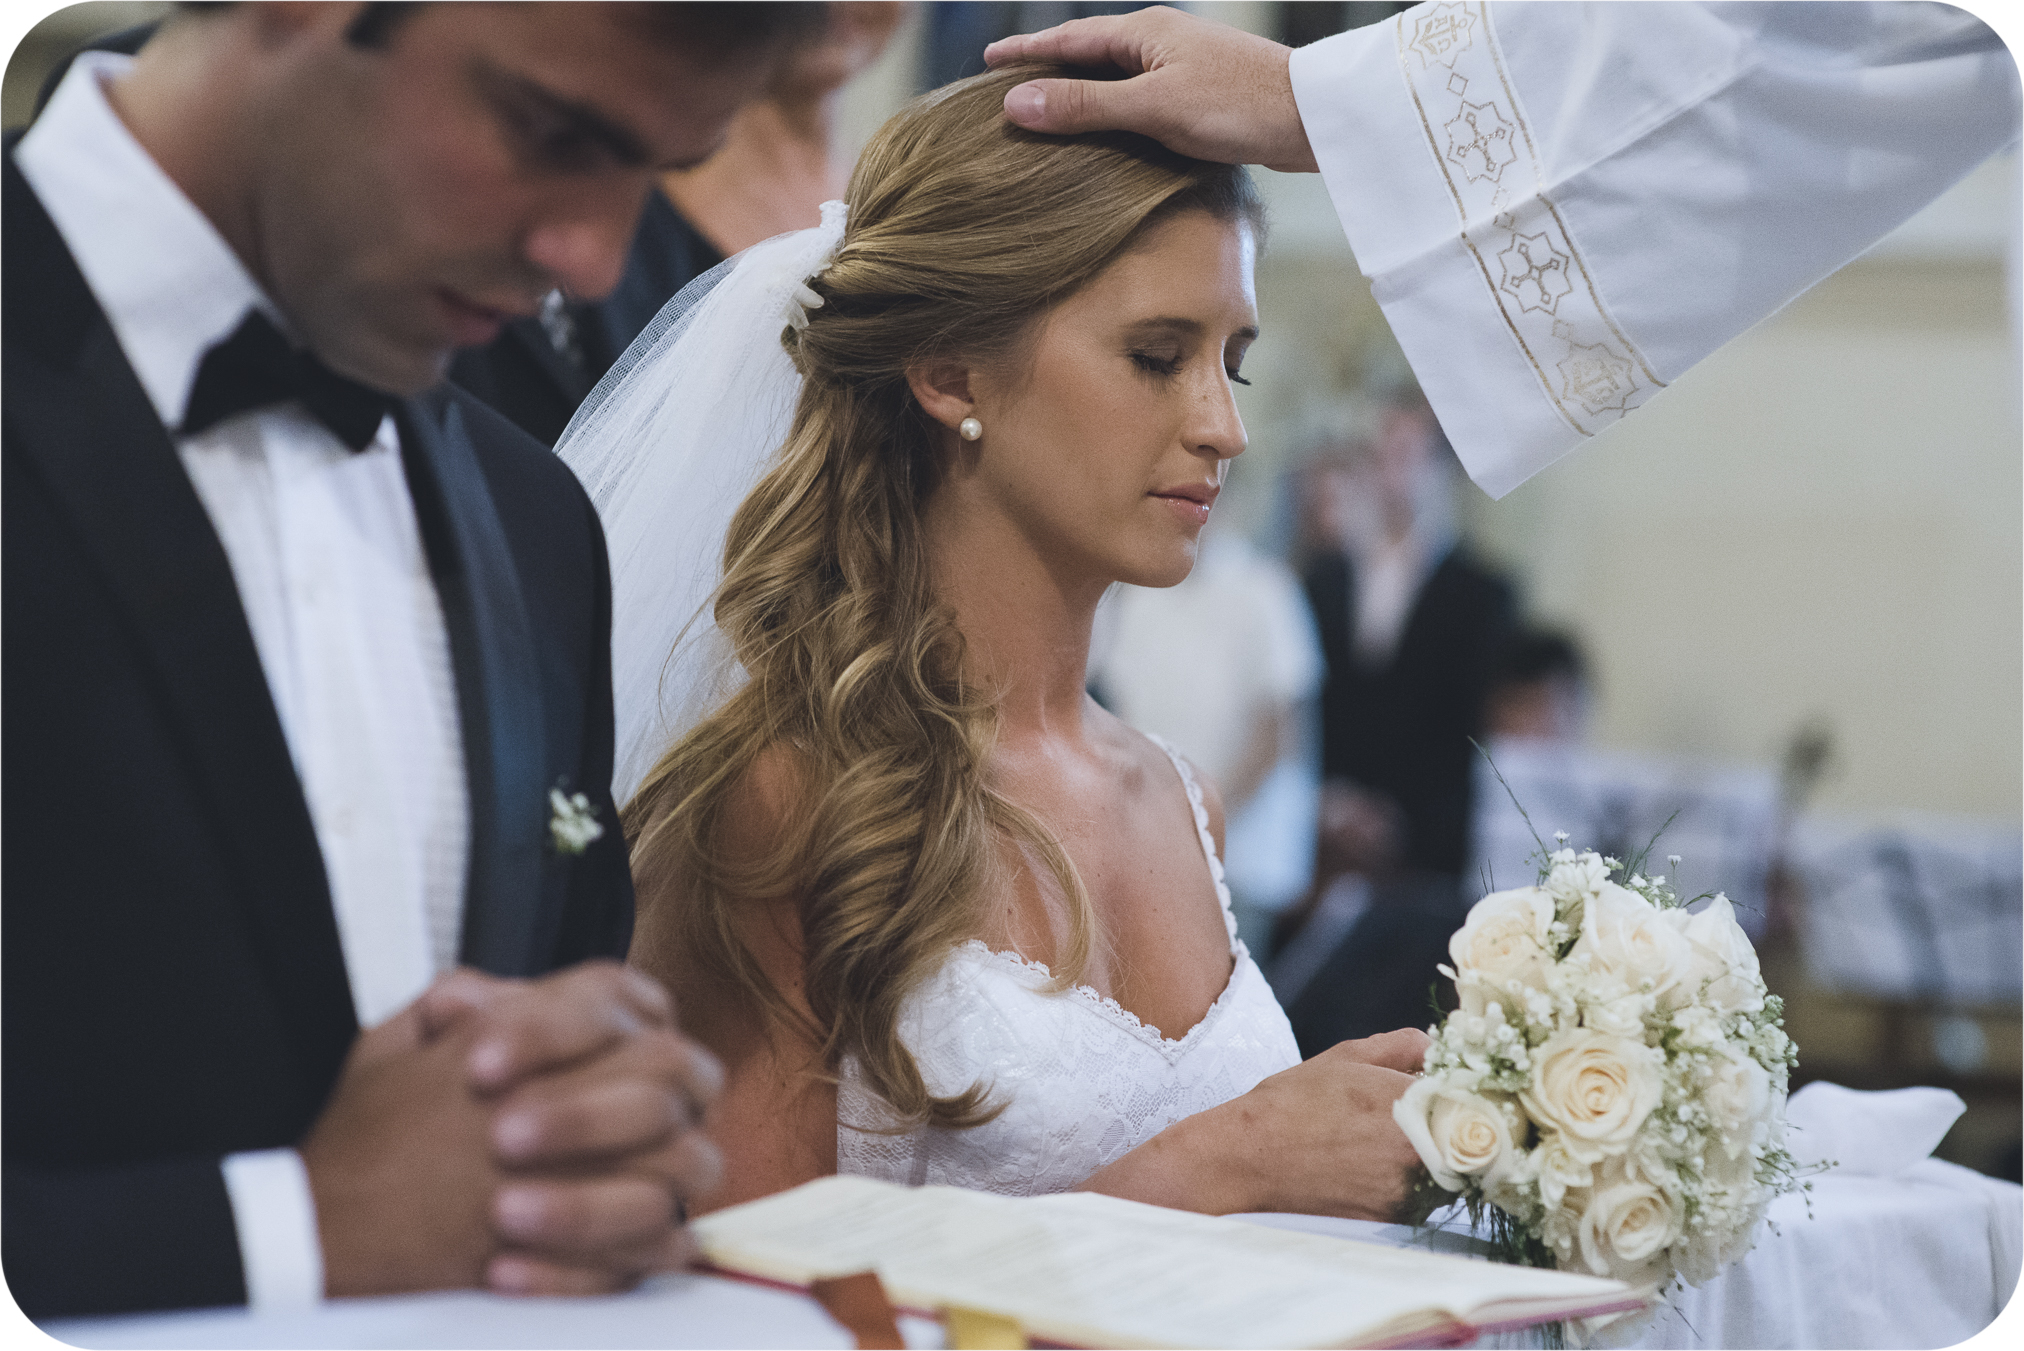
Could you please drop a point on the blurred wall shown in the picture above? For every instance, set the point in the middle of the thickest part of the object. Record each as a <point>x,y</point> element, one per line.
<point>44,34</point>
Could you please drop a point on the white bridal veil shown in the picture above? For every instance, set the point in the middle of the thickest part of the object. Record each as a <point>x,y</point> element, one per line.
<point>668,444</point>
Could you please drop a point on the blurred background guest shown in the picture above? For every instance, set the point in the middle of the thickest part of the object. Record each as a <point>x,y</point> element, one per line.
<point>1225,666</point>
<point>1538,688</point>
<point>778,164</point>
<point>1410,624</point>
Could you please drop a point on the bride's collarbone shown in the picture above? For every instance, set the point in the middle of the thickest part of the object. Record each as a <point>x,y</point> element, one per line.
<point>1160,947</point>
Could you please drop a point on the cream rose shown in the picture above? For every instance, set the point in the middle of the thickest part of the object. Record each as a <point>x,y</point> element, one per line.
<point>1628,1225</point>
<point>1559,1172</point>
<point>1628,941</point>
<point>1594,1088</point>
<point>1738,1099</point>
<point>1503,939</point>
<point>1458,1134</point>
<point>1721,958</point>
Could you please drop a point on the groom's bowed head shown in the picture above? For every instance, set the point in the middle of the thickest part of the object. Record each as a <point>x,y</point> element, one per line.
<point>400,179</point>
<point>404,178</point>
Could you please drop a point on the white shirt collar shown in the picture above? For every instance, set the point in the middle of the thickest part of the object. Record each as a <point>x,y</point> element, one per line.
<point>167,280</point>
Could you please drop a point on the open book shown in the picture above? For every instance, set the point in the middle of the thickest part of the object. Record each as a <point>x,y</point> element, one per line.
<point>1080,1269</point>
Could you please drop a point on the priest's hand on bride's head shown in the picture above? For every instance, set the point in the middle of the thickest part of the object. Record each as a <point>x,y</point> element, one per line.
<point>536,1136</point>
<point>1196,86</point>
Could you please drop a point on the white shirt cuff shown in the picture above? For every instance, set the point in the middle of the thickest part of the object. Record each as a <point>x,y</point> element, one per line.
<point>276,1217</point>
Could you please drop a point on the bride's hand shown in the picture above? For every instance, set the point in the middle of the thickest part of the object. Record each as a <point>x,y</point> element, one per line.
<point>1317,1138</point>
<point>1404,1050</point>
<point>1320,1138</point>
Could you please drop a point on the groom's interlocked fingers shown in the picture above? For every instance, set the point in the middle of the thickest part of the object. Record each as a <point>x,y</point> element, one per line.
<point>596,1104</point>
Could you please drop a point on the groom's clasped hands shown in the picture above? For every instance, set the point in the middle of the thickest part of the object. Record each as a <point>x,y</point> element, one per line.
<point>536,1136</point>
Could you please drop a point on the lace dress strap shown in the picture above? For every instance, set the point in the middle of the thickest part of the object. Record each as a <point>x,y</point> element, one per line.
<point>1208,841</point>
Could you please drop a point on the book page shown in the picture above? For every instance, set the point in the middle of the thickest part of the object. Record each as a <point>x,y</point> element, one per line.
<point>1096,1270</point>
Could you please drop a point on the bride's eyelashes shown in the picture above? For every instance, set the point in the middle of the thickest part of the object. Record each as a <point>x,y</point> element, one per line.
<point>1168,367</point>
<point>1153,364</point>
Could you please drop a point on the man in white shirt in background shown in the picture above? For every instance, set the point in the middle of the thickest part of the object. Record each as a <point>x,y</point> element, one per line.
<point>307,665</point>
<point>1563,207</point>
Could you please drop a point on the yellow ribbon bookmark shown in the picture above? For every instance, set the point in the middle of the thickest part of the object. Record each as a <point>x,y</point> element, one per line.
<point>975,1330</point>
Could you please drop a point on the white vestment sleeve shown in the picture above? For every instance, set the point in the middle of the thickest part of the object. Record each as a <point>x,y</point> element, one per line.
<point>275,1214</point>
<point>1563,206</point>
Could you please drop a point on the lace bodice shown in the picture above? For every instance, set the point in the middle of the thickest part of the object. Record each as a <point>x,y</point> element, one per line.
<point>1084,1081</point>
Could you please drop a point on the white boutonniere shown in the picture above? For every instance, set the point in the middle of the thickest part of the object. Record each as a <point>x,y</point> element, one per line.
<point>573,824</point>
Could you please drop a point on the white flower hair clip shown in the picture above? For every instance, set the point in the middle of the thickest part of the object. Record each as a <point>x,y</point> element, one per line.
<point>801,302</point>
<point>803,298</point>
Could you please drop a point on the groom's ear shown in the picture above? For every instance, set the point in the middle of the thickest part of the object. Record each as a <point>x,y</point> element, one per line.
<point>942,388</point>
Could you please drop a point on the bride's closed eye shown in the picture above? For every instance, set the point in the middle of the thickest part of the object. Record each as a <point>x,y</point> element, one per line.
<point>1153,364</point>
<point>1171,366</point>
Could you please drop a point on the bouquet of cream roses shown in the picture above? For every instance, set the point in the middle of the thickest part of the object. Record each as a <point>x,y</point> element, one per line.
<point>1612,1086</point>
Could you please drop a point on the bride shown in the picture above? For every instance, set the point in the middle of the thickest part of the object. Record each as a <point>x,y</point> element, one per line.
<point>942,917</point>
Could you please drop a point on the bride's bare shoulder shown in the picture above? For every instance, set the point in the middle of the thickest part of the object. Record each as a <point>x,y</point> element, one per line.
<point>770,795</point>
<point>1149,767</point>
<point>742,855</point>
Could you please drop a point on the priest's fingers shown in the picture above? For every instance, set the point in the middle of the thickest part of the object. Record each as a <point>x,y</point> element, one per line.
<point>1200,88</point>
<point>1110,40</point>
<point>1404,1050</point>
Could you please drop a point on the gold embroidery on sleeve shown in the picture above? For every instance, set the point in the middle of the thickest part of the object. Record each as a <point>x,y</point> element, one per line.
<point>1587,366</point>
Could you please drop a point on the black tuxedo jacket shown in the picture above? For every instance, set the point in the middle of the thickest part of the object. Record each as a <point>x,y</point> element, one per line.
<point>1404,729</point>
<point>171,985</point>
<point>519,373</point>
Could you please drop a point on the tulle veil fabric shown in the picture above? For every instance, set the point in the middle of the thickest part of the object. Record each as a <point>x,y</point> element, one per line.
<point>668,444</point>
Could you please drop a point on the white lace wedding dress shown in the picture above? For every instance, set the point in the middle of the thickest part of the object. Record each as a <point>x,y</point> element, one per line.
<point>1084,1082</point>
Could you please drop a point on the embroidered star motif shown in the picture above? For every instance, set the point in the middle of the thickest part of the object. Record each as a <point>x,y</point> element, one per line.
<point>1481,141</point>
<point>1442,33</point>
<point>1593,375</point>
<point>1535,272</point>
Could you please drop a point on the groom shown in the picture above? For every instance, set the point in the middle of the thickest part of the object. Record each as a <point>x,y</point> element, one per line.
<point>307,660</point>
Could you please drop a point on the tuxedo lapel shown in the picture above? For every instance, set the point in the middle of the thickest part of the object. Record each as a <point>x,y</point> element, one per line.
<point>76,413</point>
<point>498,689</point>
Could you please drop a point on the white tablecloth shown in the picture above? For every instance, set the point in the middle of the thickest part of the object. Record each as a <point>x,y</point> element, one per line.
<point>1927,1258</point>
<point>1923,1259</point>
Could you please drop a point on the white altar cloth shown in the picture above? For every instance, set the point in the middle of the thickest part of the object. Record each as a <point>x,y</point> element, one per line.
<point>1923,1259</point>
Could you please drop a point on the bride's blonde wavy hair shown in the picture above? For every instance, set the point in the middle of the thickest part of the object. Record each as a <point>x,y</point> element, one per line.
<point>963,231</point>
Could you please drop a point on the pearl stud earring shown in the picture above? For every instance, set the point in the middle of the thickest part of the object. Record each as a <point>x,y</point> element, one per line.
<point>969,429</point>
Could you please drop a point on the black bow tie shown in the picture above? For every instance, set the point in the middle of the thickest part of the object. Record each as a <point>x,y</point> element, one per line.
<point>256,367</point>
